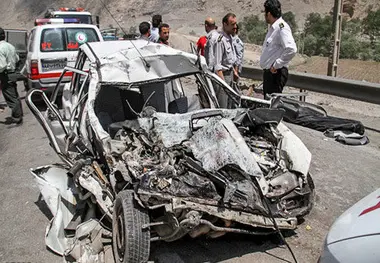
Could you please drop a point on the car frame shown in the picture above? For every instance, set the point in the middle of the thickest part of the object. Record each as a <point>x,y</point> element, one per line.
<point>18,38</point>
<point>125,193</point>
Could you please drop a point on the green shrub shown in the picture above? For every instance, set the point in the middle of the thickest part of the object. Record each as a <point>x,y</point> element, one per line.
<point>253,30</point>
<point>310,45</point>
<point>290,18</point>
<point>376,52</point>
<point>350,46</point>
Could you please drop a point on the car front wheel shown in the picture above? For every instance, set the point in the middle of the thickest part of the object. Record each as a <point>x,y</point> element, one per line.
<point>130,239</point>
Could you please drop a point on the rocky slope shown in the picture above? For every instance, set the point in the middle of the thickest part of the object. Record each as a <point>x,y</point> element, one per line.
<point>183,15</point>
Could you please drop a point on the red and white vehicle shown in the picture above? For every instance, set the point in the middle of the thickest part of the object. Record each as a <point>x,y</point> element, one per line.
<point>53,44</point>
<point>355,235</point>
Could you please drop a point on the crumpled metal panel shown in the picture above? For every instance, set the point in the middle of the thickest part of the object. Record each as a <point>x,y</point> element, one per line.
<point>55,189</point>
<point>87,245</point>
<point>219,143</point>
<point>122,62</point>
<point>173,129</point>
<point>299,155</point>
<point>59,193</point>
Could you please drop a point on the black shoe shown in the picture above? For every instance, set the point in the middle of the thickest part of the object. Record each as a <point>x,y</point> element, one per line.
<point>17,120</point>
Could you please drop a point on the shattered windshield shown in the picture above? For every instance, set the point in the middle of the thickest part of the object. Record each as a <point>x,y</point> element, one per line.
<point>181,95</point>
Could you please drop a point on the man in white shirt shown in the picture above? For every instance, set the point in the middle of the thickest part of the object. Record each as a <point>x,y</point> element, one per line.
<point>279,48</point>
<point>154,34</point>
<point>212,37</point>
<point>8,61</point>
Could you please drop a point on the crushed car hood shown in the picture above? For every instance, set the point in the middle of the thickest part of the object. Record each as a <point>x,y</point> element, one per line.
<point>213,136</point>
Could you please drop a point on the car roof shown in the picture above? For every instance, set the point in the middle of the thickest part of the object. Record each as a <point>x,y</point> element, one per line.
<point>121,61</point>
<point>65,26</point>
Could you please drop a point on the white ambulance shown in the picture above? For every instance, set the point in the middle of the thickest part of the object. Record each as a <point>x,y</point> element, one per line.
<point>83,16</point>
<point>53,44</point>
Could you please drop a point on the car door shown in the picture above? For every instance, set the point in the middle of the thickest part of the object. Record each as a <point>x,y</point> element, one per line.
<point>18,38</point>
<point>239,100</point>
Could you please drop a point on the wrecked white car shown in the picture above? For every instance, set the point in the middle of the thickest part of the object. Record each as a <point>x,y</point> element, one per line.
<point>148,155</point>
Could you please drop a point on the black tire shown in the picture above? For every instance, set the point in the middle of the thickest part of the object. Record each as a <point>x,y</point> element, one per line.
<point>131,243</point>
<point>26,86</point>
<point>311,197</point>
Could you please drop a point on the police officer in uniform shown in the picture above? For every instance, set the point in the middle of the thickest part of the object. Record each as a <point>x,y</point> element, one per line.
<point>225,58</point>
<point>279,48</point>
<point>8,61</point>
<point>212,37</point>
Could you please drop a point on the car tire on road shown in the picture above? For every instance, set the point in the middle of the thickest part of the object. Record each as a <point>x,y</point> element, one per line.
<point>26,86</point>
<point>131,243</point>
<point>310,206</point>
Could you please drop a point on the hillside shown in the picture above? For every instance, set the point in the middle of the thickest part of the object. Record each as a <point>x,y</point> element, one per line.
<point>183,15</point>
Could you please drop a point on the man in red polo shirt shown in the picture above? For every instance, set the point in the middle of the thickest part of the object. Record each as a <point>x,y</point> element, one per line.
<point>201,44</point>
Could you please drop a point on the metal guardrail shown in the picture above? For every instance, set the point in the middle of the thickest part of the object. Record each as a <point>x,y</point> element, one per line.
<point>346,88</point>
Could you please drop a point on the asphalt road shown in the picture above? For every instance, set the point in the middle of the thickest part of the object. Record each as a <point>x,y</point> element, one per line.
<point>342,174</point>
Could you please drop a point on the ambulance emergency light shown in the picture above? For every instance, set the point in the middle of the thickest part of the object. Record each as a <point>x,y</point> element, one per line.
<point>45,21</point>
<point>65,9</point>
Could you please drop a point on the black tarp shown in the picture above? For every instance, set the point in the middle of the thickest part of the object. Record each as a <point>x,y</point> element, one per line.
<point>314,117</point>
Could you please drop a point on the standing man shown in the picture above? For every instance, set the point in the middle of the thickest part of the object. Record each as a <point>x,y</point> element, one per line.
<point>239,50</point>
<point>144,29</point>
<point>212,37</point>
<point>225,58</point>
<point>278,49</point>
<point>164,31</point>
<point>8,60</point>
<point>156,22</point>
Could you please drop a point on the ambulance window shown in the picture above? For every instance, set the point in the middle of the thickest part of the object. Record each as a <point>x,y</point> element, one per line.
<point>52,40</point>
<point>79,36</point>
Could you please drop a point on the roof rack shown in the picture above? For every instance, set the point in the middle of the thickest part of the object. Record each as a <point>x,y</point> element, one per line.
<point>66,9</point>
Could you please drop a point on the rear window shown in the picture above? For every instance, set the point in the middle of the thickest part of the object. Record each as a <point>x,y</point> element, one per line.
<point>52,40</point>
<point>66,39</point>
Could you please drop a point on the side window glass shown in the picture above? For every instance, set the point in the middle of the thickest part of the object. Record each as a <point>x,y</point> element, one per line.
<point>31,41</point>
<point>79,36</point>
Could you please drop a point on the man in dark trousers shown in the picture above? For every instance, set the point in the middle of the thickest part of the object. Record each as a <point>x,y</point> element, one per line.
<point>8,61</point>
<point>279,49</point>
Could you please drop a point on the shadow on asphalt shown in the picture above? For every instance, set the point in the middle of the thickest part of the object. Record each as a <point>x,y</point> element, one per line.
<point>41,204</point>
<point>188,250</point>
